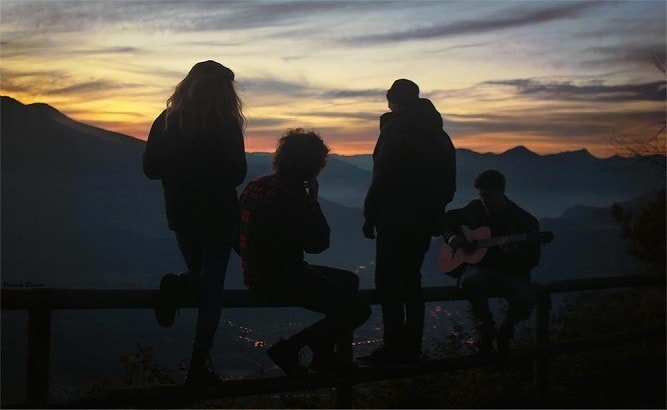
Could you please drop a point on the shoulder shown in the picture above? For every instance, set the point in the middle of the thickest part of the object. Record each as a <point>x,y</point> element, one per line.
<point>522,214</point>
<point>385,119</point>
<point>162,115</point>
<point>263,180</point>
<point>159,127</point>
<point>160,120</point>
<point>473,207</point>
<point>395,131</point>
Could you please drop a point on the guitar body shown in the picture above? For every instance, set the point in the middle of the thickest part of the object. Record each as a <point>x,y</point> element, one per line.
<point>480,240</point>
<point>449,262</point>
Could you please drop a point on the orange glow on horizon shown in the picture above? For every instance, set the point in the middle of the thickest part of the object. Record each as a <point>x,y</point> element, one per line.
<point>121,119</point>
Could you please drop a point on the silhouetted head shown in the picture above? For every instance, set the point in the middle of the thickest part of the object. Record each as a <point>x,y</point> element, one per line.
<point>490,186</point>
<point>205,96</point>
<point>300,155</point>
<point>403,93</point>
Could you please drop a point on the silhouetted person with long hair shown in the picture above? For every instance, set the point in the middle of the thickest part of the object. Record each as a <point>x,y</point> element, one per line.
<point>504,269</point>
<point>280,220</point>
<point>414,178</point>
<point>196,148</point>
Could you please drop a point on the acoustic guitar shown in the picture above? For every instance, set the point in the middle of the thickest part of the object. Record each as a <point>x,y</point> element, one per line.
<point>479,241</point>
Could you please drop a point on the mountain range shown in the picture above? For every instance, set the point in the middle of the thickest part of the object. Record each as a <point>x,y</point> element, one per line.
<point>77,212</point>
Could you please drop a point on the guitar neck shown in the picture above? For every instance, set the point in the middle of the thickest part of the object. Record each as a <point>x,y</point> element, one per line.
<point>501,240</point>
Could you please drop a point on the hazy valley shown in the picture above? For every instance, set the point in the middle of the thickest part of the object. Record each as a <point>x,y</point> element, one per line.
<point>77,212</point>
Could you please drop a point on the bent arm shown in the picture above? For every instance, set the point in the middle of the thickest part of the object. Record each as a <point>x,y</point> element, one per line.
<point>386,159</point>
<point>227,156</point>
<point>314,229</point>
<point>531,250</point>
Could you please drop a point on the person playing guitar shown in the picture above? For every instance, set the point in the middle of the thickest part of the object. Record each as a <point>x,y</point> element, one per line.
<point>503,269</point>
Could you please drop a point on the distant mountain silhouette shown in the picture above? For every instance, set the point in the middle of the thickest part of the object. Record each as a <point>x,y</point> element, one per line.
<point>78,212</point>
<point>547,185</point>
<point>74,199</point>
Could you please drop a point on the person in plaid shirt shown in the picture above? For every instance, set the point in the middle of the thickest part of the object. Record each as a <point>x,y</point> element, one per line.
<point>280,220</point>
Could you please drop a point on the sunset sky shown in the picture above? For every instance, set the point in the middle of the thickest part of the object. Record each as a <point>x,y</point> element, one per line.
<point>550,75</point>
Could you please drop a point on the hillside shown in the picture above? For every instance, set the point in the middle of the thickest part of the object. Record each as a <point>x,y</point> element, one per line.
<point>78,212</point>
<point>75,200</point>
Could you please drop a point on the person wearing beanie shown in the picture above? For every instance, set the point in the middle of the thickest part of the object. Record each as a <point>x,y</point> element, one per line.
<point>414,178</point>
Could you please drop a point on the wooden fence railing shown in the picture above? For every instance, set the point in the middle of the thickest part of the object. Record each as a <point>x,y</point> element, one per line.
<point>41,302</point>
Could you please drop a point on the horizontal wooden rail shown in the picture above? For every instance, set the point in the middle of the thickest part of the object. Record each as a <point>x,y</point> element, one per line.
<point>54,299</point>
<point>40,303</point>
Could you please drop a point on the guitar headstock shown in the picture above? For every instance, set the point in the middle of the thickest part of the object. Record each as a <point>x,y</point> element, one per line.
<point>541,237</point>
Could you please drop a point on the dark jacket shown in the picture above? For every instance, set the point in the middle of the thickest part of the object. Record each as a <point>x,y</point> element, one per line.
<point>199,175</point>
<point>414,172</point>
<point>278,223</point>
<point>514,220</point>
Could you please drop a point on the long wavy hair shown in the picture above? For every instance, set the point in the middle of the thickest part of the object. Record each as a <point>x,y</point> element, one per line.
<point>204,99</point>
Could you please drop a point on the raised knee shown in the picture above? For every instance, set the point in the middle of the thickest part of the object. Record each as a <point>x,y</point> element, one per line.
<point>473,280</point>
<point>361,314</point>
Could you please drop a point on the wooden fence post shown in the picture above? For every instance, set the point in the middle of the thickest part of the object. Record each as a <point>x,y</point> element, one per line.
<point>39,355</point>
<point>542,342</point>
<point>344,392</point>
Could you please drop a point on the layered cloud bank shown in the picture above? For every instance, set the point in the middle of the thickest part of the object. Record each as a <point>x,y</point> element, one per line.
<point>550,76</point>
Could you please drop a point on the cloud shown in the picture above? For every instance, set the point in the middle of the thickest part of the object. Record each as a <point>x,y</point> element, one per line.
<point>373,93</point>
<point>88,87</point>
<point>459,47</point>
<point>267,86</point>
<point>554,123</point>
<point>519,16</point>
<point>108,50</point>
<point>250,15</point>
<point>566,91</point>
<point>364,116</point>
<point>621,55</point>
<point>57,83</point>
<point>265,122</point>
<point>191,16</point>
<point>29,81</point>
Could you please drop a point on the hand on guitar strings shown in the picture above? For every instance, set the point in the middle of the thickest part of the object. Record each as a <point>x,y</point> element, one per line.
<point>459,242</point>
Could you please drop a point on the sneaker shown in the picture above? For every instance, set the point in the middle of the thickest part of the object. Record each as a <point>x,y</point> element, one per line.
<point>331,362</point>
<point>168,298</point>
<point>487,334</point>
<point>504,340</point>
<point>285,356</point>
<point>203,377</point>
<point>382,355</point>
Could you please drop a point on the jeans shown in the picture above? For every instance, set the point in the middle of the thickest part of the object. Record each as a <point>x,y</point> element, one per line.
<point>398,265</point>
<point>206,260</point>
<point>326,290</point>
<point>478,282</point>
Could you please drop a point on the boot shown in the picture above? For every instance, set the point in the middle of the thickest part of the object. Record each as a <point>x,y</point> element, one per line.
<point>487,333</point>
<point>286,356</point>
<point>504,341</point>
<point>198,373</point>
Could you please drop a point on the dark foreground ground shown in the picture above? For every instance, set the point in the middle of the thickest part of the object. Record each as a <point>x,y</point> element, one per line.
<point>615,378</point>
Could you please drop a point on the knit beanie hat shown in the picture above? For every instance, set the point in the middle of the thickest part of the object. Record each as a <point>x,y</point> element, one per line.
<point>403,91</point>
